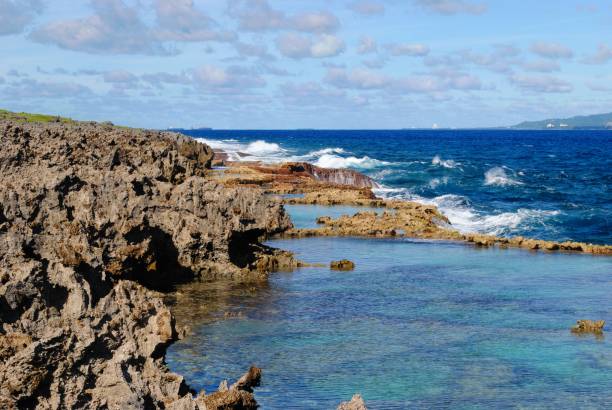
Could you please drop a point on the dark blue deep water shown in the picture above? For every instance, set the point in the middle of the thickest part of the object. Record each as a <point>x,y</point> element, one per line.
<point>544,184</point>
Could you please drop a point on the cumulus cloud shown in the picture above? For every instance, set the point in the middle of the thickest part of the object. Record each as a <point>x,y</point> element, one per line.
<point>116,28</point>
<point>407,49</point>
<point>551,50</point>
<point>367,7</point>
<point>258,15</point>
<point>298,46</point>
<point>360,78</point>
<point>179,20</point>
<point>33,89</point>
<point>449,7</point>
<point>435,82</point>
<point>543,66</point>
<point>602,56</point>
<point>541,83</point>
<point>232,79</point>
<point>16,15</point>
<point>367,45</point>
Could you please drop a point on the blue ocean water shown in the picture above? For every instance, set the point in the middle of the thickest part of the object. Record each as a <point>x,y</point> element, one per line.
<point>542,184</point>
<point>416,325</point>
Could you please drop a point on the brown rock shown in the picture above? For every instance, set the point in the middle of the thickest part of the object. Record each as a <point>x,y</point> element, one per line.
<point>589,326</point>
<point>95,221</point>
<point>342,265</point>
<point>356,403</point>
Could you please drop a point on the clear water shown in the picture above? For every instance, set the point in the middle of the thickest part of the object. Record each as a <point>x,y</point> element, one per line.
<point>546,184</point>
<point>305,216</point>
<point>416,325</point>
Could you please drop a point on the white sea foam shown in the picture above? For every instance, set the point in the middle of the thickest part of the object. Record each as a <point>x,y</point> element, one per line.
<point>336,161</point>
<point>465,218</point>
<point>436,182</point>
<point>446,163</point>
<point>498,176</point>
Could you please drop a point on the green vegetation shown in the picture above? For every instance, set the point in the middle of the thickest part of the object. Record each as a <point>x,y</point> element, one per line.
<point>598,121</point>
<point>28,117</point>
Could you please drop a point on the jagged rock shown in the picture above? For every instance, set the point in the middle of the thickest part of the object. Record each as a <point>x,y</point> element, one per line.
<point>356,403</point>
<point>589,326</point>
<point>342,265</point>
<point>250,379</point>
<point>95,221</point>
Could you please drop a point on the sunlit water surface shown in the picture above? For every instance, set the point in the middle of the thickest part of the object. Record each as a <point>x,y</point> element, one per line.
<point>416,325</point>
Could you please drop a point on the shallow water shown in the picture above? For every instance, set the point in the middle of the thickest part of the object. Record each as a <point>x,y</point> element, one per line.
<point>305,216</point>
<point>542,184</point>
<point>417,324</point>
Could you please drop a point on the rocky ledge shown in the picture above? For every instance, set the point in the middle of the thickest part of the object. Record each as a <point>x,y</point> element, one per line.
<point>397,218</point>
<point>96,223</point>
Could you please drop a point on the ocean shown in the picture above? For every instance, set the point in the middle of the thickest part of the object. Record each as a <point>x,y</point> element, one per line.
<point>553,185</point>
<point>423,324</point>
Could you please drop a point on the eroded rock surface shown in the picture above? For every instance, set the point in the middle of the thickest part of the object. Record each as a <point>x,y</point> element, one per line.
<point>589,326</point>
<point>356,403</point>
<point>95,221</point>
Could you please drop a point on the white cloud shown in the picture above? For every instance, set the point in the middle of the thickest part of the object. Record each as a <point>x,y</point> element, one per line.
<point>367,45</point>
<point>602,56</point>
<point>360,78</point>
<point>367,7</point>
<point>16,15</point>
<point>232,79</point>
<point>407,49</point>
<point>449,7</point>
<point>298,46</point>
<point>258,15</point>
<point>543,66</point>
<point>551,50</point>
<point>541,83</point>
<point>179,20</point>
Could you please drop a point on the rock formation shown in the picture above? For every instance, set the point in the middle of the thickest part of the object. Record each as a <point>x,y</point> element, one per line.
<point>589,326</point>
<point>95,222</point>
<point>356,403</point>
<point>342,265</point>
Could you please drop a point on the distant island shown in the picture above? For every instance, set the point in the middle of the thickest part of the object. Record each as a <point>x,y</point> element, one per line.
<point>597,121</point>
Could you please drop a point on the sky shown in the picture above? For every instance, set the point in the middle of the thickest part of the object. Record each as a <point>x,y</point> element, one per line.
<point>333,64</point>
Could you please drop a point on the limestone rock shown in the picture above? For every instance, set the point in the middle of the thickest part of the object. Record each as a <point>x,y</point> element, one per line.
<point>589,326</point>
<point>342,265</point>
<point>95,221</point>
<point>356,403</point>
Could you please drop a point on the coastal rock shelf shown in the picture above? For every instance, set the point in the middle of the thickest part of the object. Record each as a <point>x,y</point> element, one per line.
<point>96,222</point>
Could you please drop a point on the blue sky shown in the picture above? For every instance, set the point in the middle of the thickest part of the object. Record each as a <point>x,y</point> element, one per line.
<point>306,63</point>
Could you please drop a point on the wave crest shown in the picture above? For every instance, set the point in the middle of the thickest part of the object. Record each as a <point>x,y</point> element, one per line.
<point>446,163</point>
<point>335,161</point>
<point>497,176</point>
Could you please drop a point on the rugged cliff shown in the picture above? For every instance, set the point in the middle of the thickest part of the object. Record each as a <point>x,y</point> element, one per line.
<point>95,222</point>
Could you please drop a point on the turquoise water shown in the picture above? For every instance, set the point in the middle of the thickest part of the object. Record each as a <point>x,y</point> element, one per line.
<point>416,325</point>
<point>305,216</point>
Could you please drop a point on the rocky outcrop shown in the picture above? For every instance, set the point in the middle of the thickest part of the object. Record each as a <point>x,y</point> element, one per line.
<point>334,176</point>
<point>95,222</point>
<point>589,326</point>
<point>342,265</point>
<point>356,403</point>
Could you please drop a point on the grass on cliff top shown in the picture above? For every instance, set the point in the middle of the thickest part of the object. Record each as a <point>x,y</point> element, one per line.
<point>29,117</point>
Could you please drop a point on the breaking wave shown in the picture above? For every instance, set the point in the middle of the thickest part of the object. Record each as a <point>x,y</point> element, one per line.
<point>465,218</point>
<point>446,163</point>
<point>335,161</point>
<point>498,176</point>
<point>270,152</point>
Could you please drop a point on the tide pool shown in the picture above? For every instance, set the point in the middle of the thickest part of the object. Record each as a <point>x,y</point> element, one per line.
<point>305,216</point>
<point>416,325</point>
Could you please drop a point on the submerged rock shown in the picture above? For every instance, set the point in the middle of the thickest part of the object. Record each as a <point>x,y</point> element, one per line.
<point>589,326</point>
<point>356,403</point>
<point>95,222</point>
<point>342,265</point>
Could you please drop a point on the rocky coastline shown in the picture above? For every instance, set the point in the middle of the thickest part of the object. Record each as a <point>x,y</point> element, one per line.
<point>97,225</point>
